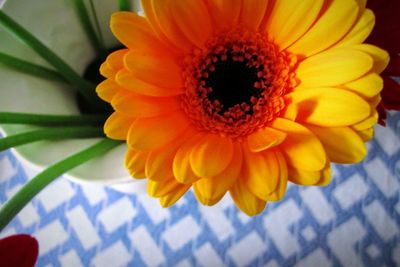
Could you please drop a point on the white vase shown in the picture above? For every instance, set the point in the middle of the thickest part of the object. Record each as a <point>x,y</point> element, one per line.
<point>56,24</point>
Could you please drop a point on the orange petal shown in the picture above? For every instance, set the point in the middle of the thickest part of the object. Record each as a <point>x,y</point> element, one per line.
<point>260,172</point>
<point>225,13</point>
<point>211,155</point>
<point>117,126</point>
<point>107,89</point>
<point>301,147</point>
<point>135,162</point>
<point>155,132</point>
<point>113,63</point>
<point>245,200</point>
<point>158,70</point>
<point>210,190</point>
<point>135,32</point>
<point>193,18</point>
<point>132,83</point>
<point>144,106</point>
<point>173,196</point>
<point>336,20</point>
<point>167,25</point>
<point>181,166</point>
<point>264,139</point>
<point>160,162</point>
<point>161,188</point>
<point>252,14</point>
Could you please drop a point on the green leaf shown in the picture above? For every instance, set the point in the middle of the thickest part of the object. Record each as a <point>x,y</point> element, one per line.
<point>58,133</point>
<point>125,5</point>
<point>51,120</point>
<point>84,18</point>
<point>29,68</point>
<point>34,186</point>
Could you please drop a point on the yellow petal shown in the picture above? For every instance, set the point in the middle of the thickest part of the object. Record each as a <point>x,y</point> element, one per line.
<point>261,172</point>
<point>181,166</point>
<point>173,196</point>
<point>336,20</point>
<point>134,32</point>
<point>225,13</point>
<point>154,69</point>
<point>366,135</point>
<point>252,13</point>
<point>360,31</point>
<point>245,200</point>
<point>211,155</point>
<point>135,162</point>
<point>380,56</point>
<point>325,176</point>
<point>302,177</point>
<point>367,86</point>
<point>280,190</point>
<point>290,19</point>
<point>210,190</point>
<point>368,122</point>
<point>155,132</point>
<point>301,147</point>
<point>330,107</point>
<point>193,18</point>
<point>342,145</point>
<point>333,67</point>
<point>132,83</point>
<point>117,126</point>
<point>107,89</point>
<point>144,106</point>
<point>264,139</point>
<point>161,188</point>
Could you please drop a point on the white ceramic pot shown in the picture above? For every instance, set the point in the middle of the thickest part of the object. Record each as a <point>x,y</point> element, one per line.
<point>56,24</point>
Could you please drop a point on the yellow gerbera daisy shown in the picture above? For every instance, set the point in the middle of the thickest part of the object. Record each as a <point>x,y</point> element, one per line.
<point>242,96</point>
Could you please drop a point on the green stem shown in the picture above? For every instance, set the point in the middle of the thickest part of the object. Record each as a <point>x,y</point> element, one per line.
<point>34,186</point>
<point>29,68</point>
<point>49,134</point>
<point>84,18</point>
<point>51,120</point>
<point>125,5</point>
<point>86,88</point>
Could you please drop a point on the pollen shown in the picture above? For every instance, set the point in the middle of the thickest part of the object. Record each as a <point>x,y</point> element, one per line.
<point>236,85</point>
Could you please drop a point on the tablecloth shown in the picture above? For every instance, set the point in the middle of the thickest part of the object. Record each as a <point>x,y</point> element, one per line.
<point>354,221</point>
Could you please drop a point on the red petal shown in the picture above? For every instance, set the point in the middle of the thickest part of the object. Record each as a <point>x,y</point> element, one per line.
<point>18,250</point>
<point>391,94</point>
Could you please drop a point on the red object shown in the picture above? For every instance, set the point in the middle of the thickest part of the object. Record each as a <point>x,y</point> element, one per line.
<point>18,251</point>
<point>386,35</point>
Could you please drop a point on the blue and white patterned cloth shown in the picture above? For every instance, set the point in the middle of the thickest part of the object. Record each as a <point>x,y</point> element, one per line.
<point>355,221</point>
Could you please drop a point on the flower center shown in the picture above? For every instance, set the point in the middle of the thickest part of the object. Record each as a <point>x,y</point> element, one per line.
<point>236,84</point>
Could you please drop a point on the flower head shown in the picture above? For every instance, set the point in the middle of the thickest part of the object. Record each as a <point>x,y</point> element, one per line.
<point>242,96</point>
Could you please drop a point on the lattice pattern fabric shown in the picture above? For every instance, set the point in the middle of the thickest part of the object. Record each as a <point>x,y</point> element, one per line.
<point>354,221</point>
